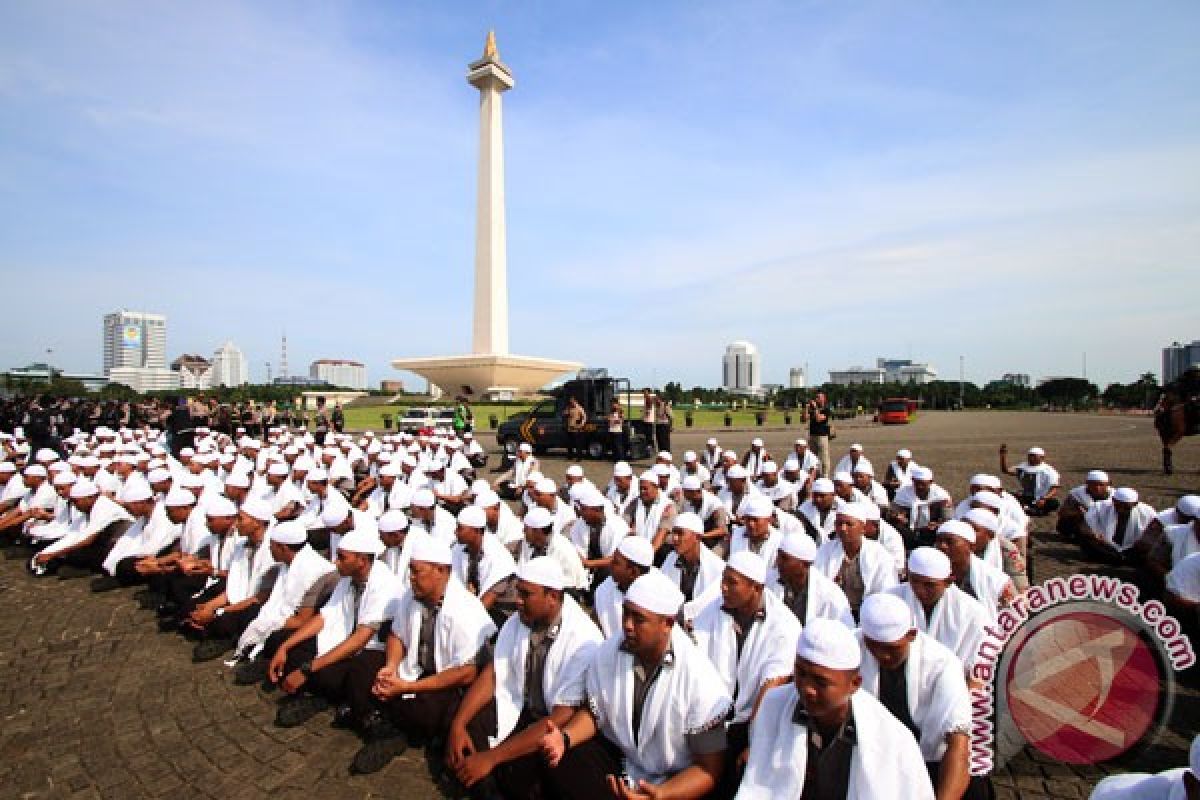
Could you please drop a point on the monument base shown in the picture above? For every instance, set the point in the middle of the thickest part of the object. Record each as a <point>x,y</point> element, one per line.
<point>487,376</point>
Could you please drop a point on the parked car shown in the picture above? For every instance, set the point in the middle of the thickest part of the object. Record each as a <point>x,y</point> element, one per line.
<point>424,419</point>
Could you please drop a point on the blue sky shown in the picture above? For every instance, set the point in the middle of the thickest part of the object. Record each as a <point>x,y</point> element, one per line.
<point>1016,183</point>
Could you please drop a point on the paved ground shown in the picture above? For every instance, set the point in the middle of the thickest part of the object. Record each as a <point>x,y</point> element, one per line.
<point>95,703</point>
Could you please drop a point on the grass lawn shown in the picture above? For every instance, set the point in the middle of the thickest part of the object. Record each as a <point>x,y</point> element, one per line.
<point>371,417</point>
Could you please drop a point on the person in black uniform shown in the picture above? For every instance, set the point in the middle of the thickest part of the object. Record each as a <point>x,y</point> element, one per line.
<point>181,428</point>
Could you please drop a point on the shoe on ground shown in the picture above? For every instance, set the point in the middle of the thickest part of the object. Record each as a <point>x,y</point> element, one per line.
<point>105,583</point>
<point>208,649</point>
<point>168,625</point>
<point>69,572</point>
<point>250,672</point>
<point>343,717</point>
<point>377,753</point>
<point>296,711</point>
<point>150,601</point>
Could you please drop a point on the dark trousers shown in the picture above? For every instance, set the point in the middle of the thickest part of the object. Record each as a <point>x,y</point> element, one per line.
<point>616,445</point>
<point>90,557</point>
<point>576,442</point>
<point>126,573</point>
<point>424,716</point>
<point>583,772</point>
<point>737,737</point>
<point>1049,506</point>
<point>663,434</point>
<point>359,679</point>
<point>340,682</point>
<point>231,624</point>
<point>521,779</point>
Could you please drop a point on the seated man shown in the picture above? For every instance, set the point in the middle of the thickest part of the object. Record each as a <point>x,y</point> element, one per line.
<point>480,562</point>
<point>512,482</point>
<point>620,491</point>
<point>303,584</point>
<point>749,636</point>
<point>1079,501</point>
<point>704,504</point>
<point>536,673</point>
<point>756,533</point>
<point>806,591</point>
<point>152,533</point>
<point>655,696</point>
<point>939,608</point>
<point>919,508</point>
<point>1182,594</point>
<point>426,515</point>
<point>542,540</point>
<point>818,513</point>
<point>864,481</point>
<point>880,530</point>
<point>991,587</point>
<point>922,684</point>
<point>1111,528</point>
<point>899,472</point>
<point>222,617</point>
<point>433,654</point>
<point>501,521</point>
<point>858,565</point>
<point>81,551</point>
<point>1039,481</point>
<point>823,737</point>
<point>596,534</point>
<point>315,663</point>
<point>782,492</point>
<point>632,559</point>
<point>691,566</point>
<point>652,514</point>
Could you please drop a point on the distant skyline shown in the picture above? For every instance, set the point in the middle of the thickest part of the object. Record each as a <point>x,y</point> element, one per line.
<point>1017,184</point>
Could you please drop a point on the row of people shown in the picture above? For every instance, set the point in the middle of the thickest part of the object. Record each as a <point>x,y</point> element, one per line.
<point>571,644</point>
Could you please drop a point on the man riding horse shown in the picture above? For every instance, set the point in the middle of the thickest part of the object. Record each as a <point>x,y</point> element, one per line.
<point>1177,413</point>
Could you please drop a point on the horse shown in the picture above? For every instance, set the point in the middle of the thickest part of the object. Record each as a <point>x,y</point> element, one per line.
<point>1177,414</point>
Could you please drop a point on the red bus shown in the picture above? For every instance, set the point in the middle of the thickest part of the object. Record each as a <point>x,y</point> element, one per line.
<point>897,411</point>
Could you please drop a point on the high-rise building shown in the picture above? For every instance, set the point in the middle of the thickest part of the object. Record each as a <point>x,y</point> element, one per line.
<point>1019,379</point>
<point>134,339</point>
<point>1178,359</point>
<point>796,378</point>
<point>229,366</point>
<point>135,351</point>
<point>339,372</point>
<point>742,368</point>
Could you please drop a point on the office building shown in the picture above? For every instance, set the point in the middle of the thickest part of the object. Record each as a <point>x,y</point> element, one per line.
<point>339,372</point>
<point>135,339</point>
<point>742,369</point>
<point>1178,359</point>
<point>229,366</point>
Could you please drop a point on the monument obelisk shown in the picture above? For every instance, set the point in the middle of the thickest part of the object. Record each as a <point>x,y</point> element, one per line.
<point>490,370</point>
<point>491,77</point>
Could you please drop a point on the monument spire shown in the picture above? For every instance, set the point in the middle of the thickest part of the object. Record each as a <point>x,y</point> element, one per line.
<point>490,370</point>
<point>490,332</point>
